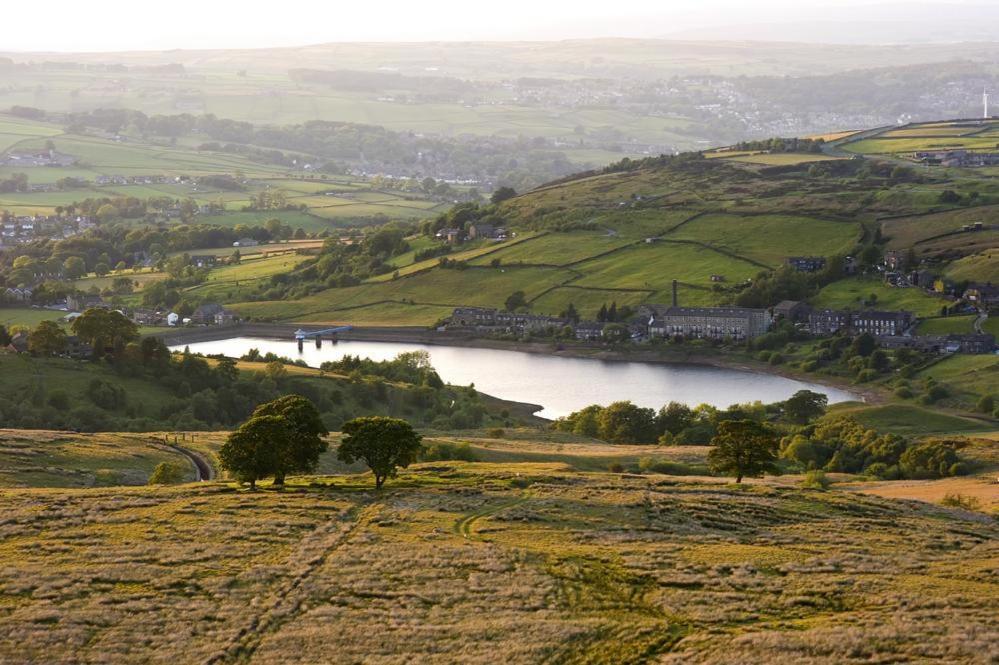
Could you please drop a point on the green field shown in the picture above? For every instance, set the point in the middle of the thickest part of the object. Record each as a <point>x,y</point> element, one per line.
<point>654,266</point>
<point>851,293</point>
<point>556,249</point>
<point>947,325</point>
<point>968,377</point>
<point>910,420</point>
<point>28,317</point>
<point>770,239</point>
<point>976,268</point>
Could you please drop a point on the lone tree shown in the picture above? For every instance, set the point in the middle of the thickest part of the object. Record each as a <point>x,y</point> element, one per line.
<point>743,448</point>
<point>382,443</point>
<point>305,442</point>
<point>805,406</point>
<point>255,450</point>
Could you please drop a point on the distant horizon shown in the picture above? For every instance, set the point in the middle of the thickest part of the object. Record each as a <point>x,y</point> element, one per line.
<point>188,25</point>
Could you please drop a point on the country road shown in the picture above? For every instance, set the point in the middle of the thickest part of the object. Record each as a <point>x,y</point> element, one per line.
<point>201,465</point>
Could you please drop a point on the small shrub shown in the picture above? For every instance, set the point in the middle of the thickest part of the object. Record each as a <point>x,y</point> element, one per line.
<point>496,433</point>
<point>616,468</point>
<point>443,451</point>
<point>961,501</point>
<point>815,479</point>
<point>167,473</point>
<point>903,393</point>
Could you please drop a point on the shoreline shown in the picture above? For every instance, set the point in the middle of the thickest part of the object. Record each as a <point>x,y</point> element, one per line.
<point>575,349</point>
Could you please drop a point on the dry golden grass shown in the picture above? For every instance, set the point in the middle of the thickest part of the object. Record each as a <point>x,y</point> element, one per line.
<point>492,562</point>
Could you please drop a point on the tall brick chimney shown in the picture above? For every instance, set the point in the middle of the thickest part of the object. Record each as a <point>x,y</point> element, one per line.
<point>675,283</point>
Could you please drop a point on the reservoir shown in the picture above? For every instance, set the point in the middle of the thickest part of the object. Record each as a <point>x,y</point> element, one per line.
<point>559,384</point>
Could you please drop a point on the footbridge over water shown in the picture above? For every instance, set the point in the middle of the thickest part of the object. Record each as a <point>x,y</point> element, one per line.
<point>328,333</point>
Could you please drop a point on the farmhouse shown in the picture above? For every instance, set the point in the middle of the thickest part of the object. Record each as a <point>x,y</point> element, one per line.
<point>480,231</point>
<point>204,260</point>
<point>81,303</point>
<point>484,319</point>
<point>792,310</point>
<point>706,322</point>
<point>205,314</point>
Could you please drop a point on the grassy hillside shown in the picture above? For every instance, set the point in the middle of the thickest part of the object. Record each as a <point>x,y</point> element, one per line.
<point>521,562</point>
<point>712,224</point>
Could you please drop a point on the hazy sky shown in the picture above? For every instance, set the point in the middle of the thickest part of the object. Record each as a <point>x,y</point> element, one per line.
<point>111,25</point>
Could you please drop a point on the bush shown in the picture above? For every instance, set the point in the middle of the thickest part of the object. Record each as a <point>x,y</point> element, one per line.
<point>167,473</point>
<point>961,501</point>
<point>903,393</point>
<point>929,459</point>
<point>443,451</point>
<point>986,404</point>
<point>866,375</point>
<point>496,432</point>
<point>815,480</point>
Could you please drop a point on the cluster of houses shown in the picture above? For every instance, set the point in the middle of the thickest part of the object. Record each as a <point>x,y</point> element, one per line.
<point>104,180</point>
<point>76,348</point>
<point>210,314</point>
<point>957,158</point>
<point>15,230</point>
<point>892,329</point>
<point>456,236</point>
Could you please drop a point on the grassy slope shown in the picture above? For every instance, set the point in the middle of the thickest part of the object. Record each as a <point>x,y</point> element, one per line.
<point>461,562</point>
<point>61,459</point>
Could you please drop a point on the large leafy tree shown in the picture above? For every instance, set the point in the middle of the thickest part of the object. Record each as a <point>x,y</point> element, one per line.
<point>47,339</point>
<point>623,422</point>
<point>743,448</point>
<point>103,328</point>
<point>255,450</point>
<point>305,442</point>
<point>384,444</point>
<point>805,406</point>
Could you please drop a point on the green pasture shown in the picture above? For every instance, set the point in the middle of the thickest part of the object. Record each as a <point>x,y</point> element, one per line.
<point>850,293</point>
<point>654,266</point>
<point>908,420</point>
<point>948,325</point>
<point>770,239</point>
<point>28,317</point>
<point>557,248</point>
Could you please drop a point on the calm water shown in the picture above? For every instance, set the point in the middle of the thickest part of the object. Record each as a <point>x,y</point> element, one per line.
<point>560,385</point>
